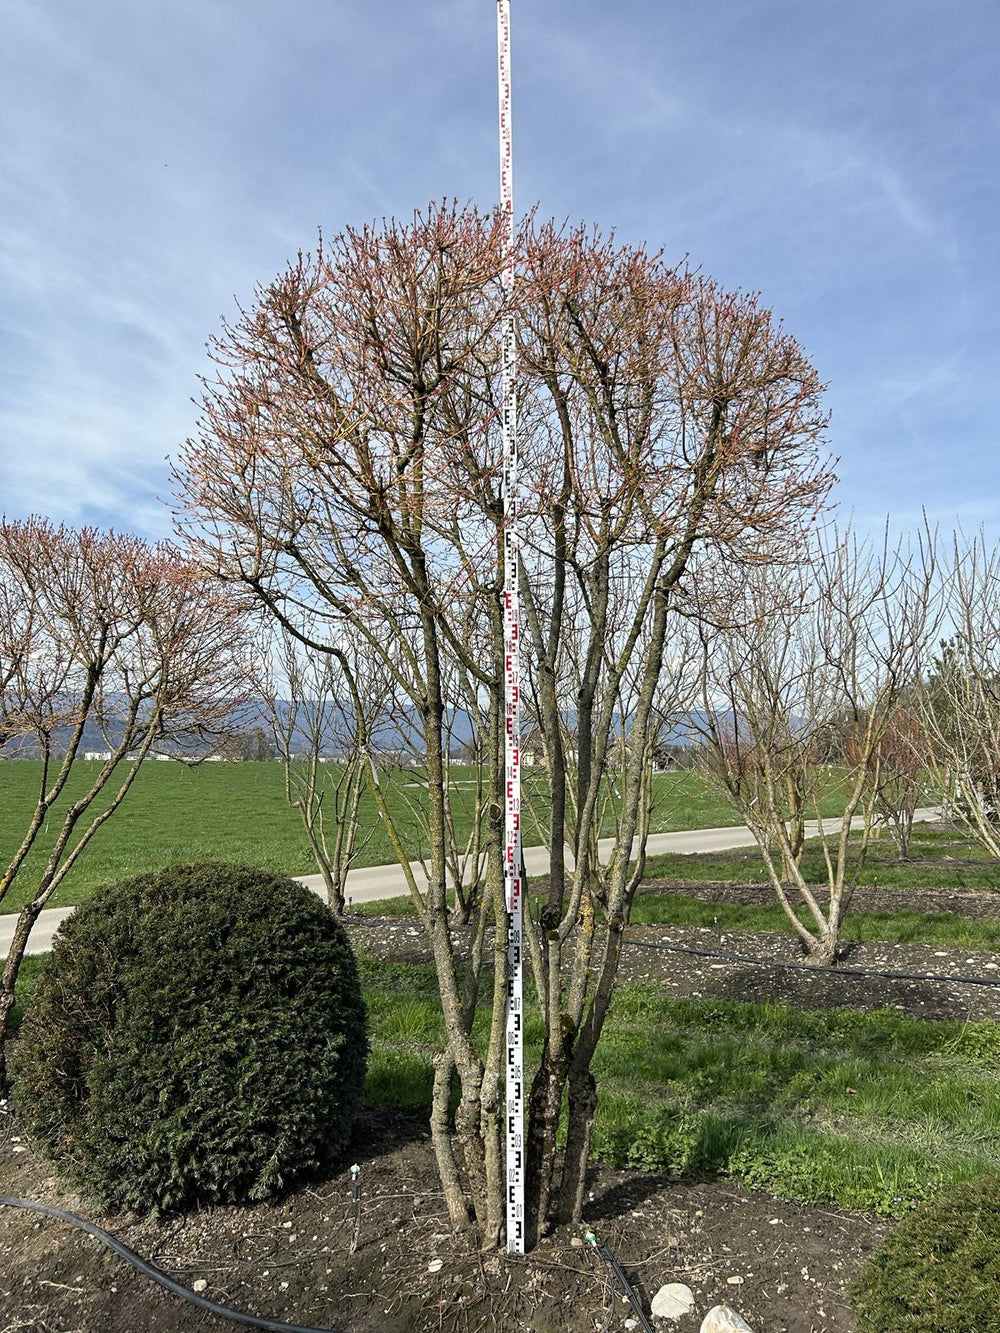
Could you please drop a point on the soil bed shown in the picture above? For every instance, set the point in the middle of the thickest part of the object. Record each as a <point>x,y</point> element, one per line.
<point>291,1260</point>
<point>401,939</point>
<point>288,1261</point>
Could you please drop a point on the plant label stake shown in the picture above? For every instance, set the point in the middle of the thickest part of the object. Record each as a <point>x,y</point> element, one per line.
<point>512,708</point>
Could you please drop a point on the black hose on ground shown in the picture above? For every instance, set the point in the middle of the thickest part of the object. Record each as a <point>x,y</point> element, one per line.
<point>618,1275</point>
<point>158,1275</point>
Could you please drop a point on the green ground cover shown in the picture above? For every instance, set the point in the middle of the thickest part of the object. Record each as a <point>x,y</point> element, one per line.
<point>939,859</point>
<point>892,927</point>
<point>218,812</point>
<point>237,812</point>
<point>866,1110</point>
<point>871,1111</point>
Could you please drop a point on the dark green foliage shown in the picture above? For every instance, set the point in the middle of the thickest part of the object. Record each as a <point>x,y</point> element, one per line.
<point>199,1035</point>
<point>939,1270</point>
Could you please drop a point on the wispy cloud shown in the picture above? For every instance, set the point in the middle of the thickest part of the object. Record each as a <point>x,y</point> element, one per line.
<point>159,160</point>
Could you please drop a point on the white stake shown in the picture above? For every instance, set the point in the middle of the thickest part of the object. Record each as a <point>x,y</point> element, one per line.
<point>512,730</point>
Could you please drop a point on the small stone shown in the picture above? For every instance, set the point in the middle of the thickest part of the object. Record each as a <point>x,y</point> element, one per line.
<point>724,1319</point>
<point>435,1266</point>
<point>734,1281</point>
<point>631,1323</point>
<point>199,1284</point>
<point>577,1243</point>
<point>673,1301</point>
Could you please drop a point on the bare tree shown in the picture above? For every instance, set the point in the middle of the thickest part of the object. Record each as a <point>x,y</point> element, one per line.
<point>837,638</point>
<point>899,768</point>
<point>324,731</point>
<point>101,630</point>
<point>349,459</point>
<point>960,700</point>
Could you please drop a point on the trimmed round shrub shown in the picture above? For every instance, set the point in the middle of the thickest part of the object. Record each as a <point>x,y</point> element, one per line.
<point>939,1270</point>
<point>198,1036</point>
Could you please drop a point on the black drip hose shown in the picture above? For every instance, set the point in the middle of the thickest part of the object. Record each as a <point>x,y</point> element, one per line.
<point>158,1275</point>
<point>615,1269</point>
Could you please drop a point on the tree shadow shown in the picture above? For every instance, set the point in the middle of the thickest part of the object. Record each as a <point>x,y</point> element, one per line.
<point>831,988</point>
<point>620,1198</point>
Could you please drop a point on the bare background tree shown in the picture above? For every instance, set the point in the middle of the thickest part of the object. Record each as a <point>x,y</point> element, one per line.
<point>101,630</point>
<point>348,469</point>
<point>899,769</point>
<point>960,702</point>
<point>324,730</point>
<point>826,647</point>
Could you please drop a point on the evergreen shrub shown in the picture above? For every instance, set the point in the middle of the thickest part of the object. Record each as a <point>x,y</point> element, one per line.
<point>939,1270</point>
<point>199,1036</point>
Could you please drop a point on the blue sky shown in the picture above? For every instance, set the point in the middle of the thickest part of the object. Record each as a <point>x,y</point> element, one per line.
<point>158,158</point>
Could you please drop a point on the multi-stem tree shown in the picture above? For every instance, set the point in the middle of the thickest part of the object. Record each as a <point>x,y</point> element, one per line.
<point>797,656</point>
<point>102,632</point>
<point>960,700</point>
<point>348,471</point>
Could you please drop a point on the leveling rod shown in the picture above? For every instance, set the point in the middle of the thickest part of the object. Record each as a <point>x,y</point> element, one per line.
<point>513,866</point>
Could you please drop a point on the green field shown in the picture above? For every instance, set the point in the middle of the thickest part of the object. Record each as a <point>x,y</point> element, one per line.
<point>237,812</point>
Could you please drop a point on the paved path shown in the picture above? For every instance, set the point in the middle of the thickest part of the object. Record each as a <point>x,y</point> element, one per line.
<point>374,883</point>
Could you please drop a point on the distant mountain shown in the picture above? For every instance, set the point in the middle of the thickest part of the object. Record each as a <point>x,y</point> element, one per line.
<point>390,735</point>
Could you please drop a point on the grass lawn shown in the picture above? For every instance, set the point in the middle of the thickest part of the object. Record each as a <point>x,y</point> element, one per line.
<point>237,812</point>
<point>939,859</point>
<point>867,1110</point>
<point>217,812</point>
<point>892,927</point>
<point>871,1111</point>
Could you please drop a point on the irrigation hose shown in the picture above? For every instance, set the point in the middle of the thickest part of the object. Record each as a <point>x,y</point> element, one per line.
<point>615,1269</point>
<point>158,1275</point>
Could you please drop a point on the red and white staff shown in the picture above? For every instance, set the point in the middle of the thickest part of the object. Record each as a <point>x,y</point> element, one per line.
<point>513,884</point>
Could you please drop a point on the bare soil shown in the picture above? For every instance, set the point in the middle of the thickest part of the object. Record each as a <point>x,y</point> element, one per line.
<point>785,1267</point>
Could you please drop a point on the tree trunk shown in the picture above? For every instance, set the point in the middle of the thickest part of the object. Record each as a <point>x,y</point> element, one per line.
<point>544,1107</point>
<point>582,1110</point>
<point>454,1196</point>
<point>823,952</point>
<point>8,981</point>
